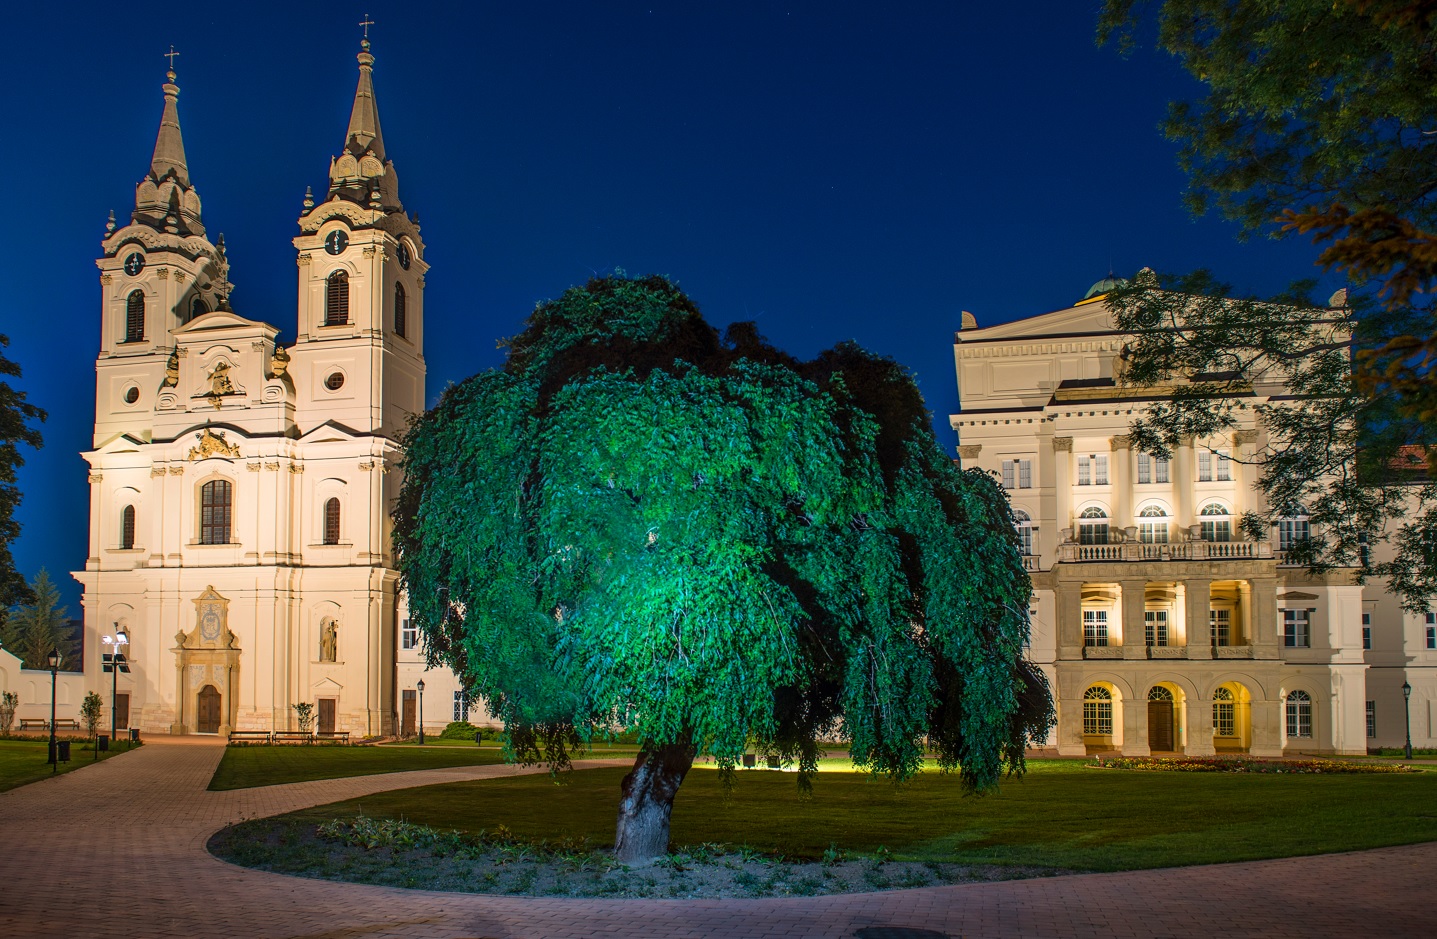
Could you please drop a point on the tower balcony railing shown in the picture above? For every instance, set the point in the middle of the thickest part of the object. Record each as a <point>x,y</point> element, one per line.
<point>1177,551</point>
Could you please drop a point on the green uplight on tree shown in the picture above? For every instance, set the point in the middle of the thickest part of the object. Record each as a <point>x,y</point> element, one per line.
<point>638,524</point>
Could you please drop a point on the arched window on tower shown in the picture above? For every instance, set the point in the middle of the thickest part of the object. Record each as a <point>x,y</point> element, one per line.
<point>331,521</point>
<point>127,527</point>
<point>336,299</point>
<point>198,308</point>
<point>401,322</point>
<point>216,507</point>
<point>135,316</point>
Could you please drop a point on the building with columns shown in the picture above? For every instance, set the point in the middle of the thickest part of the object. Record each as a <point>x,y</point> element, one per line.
<point>240,488</point>
<point>1160,627</point>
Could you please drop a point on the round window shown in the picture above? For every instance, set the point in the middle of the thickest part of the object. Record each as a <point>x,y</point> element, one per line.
<point>335,381</point>
<point>132,394</point>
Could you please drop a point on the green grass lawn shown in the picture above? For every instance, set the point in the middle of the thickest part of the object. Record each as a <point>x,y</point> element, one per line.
<point>23,761</point>
<point>244,767</point>
<point>1061,815</point>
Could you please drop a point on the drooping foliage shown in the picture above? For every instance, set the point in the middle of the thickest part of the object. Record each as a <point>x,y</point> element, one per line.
<point>18,420</point>
<point>638,523</point>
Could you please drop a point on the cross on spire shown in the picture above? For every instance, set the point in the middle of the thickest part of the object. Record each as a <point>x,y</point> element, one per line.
<point>171,56</point>
<point>366,23</point>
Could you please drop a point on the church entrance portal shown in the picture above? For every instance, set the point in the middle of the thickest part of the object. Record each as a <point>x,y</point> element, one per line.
<point>207,714</point>
<point>1160,719</point>
<point>326,716</point>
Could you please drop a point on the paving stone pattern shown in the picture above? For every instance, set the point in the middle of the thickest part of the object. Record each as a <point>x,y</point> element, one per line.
<point>118,850</point>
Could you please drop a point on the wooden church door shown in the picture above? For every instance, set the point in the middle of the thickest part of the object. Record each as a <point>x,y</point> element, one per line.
<point>209,711</point>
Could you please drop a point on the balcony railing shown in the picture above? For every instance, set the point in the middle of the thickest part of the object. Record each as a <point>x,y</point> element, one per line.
<point>1115,651</point>
<point>1032,563</point>
<point>1178,551</point>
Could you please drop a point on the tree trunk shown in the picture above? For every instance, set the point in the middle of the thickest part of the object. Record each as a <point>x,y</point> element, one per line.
<point>647,801</point>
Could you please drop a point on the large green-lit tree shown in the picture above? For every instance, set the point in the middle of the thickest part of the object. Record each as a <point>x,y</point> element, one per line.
<point>1314,118</point>
<point>18,418</point>
<point>640,524</point>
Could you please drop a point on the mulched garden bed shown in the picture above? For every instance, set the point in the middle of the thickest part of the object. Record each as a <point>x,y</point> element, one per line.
<point>393,853</point>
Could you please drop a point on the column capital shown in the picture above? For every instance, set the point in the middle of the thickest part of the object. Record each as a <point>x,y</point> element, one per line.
<point>969,451</point>
<point>1063,444</point>
<point>1119,442</point>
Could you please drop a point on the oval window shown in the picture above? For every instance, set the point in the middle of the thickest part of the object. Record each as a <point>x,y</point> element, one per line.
<point>335,381</point>
<point>132,394</point>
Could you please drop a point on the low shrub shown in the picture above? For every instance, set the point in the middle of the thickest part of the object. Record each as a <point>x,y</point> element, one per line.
<point>1242,764</point>
<point>460,730</point>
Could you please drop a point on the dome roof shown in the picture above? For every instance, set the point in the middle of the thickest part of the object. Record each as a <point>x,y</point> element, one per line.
<point>1103,286</point>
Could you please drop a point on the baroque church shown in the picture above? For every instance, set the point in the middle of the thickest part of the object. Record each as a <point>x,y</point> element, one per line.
<point>239,488</point>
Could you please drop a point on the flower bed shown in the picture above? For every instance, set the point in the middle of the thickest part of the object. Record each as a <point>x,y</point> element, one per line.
<point>1239,764</point>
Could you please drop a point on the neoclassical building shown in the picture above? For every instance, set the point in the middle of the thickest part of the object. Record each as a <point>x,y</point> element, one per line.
<point>1160,628</point>
<point>240,489</point>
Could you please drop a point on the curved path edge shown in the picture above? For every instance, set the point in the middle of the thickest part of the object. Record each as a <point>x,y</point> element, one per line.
<point>118,850</point>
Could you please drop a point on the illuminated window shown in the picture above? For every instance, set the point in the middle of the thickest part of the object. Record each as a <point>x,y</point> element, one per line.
<point>1224,466</point>
<point>1299,714</point>
<point>1220,625</point>
<point>1215,523</point>
<point>1204,466</point>
<point>1095,627</point>
<point>1093,526</point>
<point>1156,623</point>
<point>1085,471</point>
<point>1025,527</point>
<point>1296,629</point>
<point>1150,529</point>
<point>1098,711</point>
<point>1293,528</point>
<point>216,506</point>
<point>1152,469</point>
<point>1224,714</point>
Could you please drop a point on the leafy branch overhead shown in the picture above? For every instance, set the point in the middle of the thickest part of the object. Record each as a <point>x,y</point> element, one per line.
<point>638,523</point>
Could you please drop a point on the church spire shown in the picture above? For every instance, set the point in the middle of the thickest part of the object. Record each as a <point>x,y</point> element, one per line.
<point>165,199</point>
<point>362,174</point>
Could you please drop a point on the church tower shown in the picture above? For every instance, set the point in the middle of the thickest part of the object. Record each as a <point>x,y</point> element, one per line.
<point>361,287</point>
<point>156,274</point>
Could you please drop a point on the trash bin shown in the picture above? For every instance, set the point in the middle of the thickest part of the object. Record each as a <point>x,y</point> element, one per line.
<point>134,735</point>
<point>64,746</point>
<point>102,743</point>
<point>750,760</point>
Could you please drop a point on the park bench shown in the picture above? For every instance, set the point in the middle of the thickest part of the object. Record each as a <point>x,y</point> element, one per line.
<point>69,723</point>
<point>249,736</point>
<point>338,735</point>
<point>33,723</point>
<point>287,736</point>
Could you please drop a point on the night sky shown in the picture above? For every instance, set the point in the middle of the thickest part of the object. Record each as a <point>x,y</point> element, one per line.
<point>831,170</point>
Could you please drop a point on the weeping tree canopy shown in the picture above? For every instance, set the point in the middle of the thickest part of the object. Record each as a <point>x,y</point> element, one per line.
<point>638,523</point>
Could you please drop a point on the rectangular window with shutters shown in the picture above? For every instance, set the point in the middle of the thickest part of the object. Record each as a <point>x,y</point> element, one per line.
<point>1085,471</point>
<point>1095,627</point>
<point>1100,471</point>
<point>1008,474</point>
<point>1025,474</point>
<point>1204,467</point>
<point>1296,629</point>
<point>1160,470</point>
<point>1224,466</point>
<point>1145,468</point>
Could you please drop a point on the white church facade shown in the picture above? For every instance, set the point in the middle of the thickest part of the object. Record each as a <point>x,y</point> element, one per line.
<point>240,489</point>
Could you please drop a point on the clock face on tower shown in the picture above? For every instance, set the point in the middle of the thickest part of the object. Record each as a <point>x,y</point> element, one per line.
<point>335,242</point>
<point>134,264</point>
<point>402,252</point>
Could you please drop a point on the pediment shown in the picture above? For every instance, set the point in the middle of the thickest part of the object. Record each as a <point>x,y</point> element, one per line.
<point>220,320</point>
<point>1091,317</point>
<point>1296,595</point>
<point>121,443</point>
<point>328,432</point>
<point>327,686</point>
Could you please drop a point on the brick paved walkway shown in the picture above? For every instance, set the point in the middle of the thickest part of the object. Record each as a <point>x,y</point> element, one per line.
<point>117,850</point>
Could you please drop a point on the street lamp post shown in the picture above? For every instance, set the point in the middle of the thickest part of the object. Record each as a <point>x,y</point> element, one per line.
<point>54,673</point>
<point>420,686</point>
<point>116,660</point>
<point>1407,716</point>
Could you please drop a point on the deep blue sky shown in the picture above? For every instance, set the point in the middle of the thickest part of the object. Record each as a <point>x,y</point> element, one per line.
<point>833,171</point>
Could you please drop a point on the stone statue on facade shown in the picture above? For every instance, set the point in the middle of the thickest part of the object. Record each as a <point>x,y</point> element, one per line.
<point>328,639</point>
